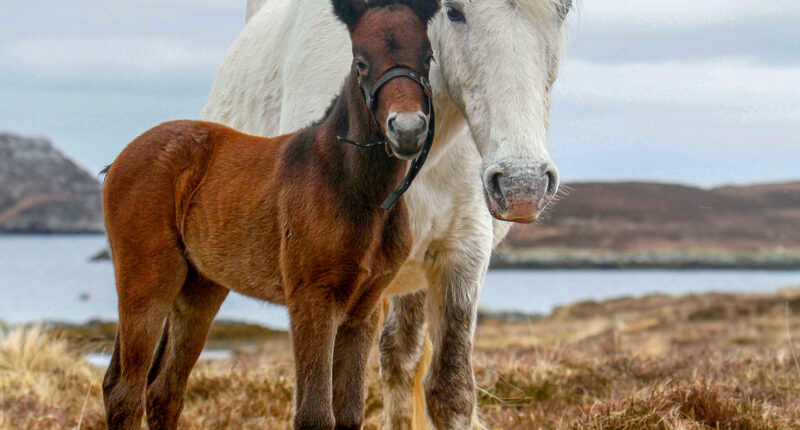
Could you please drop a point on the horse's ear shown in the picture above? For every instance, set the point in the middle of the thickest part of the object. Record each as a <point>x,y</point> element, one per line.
<point>349,11</point>
<point>426,9</point>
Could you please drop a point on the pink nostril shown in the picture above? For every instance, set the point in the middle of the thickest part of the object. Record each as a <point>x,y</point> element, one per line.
<point>522,210</point>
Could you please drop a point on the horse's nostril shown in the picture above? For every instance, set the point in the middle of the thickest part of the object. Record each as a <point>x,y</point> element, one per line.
<point>552,182</point>
<point>390,124</point>
<point>494,182</point>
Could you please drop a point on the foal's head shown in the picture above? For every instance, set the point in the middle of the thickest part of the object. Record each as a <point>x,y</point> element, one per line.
<point>387,34</point>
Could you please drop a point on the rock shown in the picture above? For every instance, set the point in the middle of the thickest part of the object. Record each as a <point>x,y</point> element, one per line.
<point>101,255</point>
<point>43,191</point>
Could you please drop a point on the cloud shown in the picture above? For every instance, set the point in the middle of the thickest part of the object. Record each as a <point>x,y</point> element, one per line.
<point>116,54</point>
<point>699,91</point>
<point>680,30</point>
<point>719,83</point>
<point>682,13</point>
<point>745,39</point>
<point>115,45</point>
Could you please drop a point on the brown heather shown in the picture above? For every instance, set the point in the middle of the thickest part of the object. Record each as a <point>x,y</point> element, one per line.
<point>694,362</point>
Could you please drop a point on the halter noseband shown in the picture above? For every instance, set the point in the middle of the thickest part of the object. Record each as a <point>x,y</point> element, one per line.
<point>369,99</point>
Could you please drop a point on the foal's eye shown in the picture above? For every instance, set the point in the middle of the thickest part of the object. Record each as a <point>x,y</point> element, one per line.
<point>361,66</point>
<point>455,15</point>
<point>428,61</point>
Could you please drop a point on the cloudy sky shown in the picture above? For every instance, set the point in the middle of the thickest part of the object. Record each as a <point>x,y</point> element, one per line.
<point>701,92</point>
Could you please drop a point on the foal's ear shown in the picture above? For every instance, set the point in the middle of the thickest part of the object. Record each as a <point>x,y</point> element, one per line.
<point>426,9</point>
<point>349,11</point>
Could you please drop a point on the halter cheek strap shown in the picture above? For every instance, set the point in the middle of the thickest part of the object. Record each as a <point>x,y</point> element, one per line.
<point>369,98</point>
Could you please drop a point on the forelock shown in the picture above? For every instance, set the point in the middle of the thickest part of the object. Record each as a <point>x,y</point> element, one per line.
<point>424,9</point>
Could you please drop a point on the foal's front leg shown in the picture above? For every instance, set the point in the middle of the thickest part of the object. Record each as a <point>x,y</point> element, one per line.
<point>350,356</point>
<point>313,327</point>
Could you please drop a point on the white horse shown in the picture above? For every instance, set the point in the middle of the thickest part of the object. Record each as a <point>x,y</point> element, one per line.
<point>495,64</point>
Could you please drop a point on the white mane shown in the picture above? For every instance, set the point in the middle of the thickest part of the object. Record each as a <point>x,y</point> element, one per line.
<point>254,6</point>
<point>547,17</point>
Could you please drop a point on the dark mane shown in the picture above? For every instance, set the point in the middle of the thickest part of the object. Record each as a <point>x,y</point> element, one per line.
<point>425,9</point>
<point>349,11</point>
<point>331,106</point>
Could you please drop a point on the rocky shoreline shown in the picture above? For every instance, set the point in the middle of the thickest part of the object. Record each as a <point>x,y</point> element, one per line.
<point>97,336</point>
<point>578,259</point>
<point>582,260</point>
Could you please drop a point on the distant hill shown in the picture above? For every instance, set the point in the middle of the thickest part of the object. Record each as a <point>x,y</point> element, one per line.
<point>43,191</point>
<point>634,216</point>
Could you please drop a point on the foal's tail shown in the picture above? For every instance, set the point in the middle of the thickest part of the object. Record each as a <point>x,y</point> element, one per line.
<point>419,419</point>
<point>104,171</point>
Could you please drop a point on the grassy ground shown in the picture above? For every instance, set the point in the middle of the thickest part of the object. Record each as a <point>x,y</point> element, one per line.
<point>694,362</point>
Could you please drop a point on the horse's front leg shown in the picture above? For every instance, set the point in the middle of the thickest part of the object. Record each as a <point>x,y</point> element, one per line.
<point>313,324</point>
<point>456,276</point>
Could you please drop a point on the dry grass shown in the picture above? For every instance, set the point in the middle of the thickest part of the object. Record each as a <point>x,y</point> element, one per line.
<point>695,362</point>
<point>43,383</point>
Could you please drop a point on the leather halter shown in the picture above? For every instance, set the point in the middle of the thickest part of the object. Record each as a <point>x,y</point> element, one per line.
<point>369,99</point>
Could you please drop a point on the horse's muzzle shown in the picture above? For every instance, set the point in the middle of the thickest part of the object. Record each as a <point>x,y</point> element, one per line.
<point>519,193</point>
<point>407,132</point>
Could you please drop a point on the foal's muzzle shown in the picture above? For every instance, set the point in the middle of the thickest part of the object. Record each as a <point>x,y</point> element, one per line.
<point>406,132</point>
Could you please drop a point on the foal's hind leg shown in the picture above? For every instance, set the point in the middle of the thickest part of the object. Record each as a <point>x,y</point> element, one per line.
<point>147,282</point>
<point>351,353</point>
<point>181,344</point>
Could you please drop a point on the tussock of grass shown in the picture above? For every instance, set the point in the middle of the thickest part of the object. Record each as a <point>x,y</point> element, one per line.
<point>694,406</point>
<point>648,363</point>
<point>43,381</point>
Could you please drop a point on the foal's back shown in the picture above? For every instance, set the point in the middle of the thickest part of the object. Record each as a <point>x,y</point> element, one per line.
<point>246,211</point>
<point>197,185</point>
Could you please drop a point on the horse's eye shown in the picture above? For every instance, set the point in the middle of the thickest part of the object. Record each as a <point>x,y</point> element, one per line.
<point>455,15</point>
<point>428,60</point>
<point>361,66</point>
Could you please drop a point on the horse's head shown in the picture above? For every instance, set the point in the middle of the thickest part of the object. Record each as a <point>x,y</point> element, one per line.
<point>387,35</point>
<point>498,60</point>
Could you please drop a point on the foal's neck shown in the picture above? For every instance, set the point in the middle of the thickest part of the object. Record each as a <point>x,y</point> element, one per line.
<point>350,118</point>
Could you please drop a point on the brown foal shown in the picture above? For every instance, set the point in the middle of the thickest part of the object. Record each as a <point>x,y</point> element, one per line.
<point>195,209</point>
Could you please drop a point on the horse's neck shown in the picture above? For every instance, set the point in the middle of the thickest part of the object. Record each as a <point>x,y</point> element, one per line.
<point>350,118</point>
<point>450,120</point>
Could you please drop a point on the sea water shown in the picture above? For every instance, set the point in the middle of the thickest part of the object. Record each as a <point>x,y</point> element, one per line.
<point>50,278</point>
